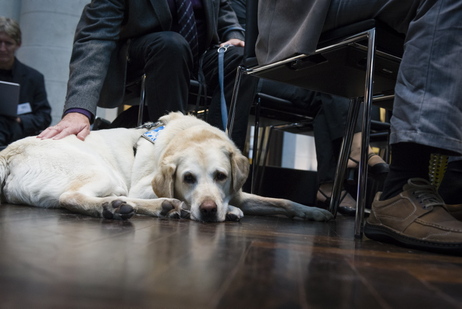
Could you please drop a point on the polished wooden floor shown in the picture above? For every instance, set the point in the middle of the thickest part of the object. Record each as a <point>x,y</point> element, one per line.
<point>51,258</point>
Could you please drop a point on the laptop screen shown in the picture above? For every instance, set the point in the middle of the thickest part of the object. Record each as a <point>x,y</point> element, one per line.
<point>9,99</point>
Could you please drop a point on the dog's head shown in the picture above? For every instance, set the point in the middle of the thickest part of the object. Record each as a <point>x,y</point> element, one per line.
<point>203,168</point>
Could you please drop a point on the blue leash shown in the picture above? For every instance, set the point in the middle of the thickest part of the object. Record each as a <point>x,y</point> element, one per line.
<point>224,109</point>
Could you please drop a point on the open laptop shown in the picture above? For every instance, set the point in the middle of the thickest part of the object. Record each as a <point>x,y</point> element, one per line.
<point>9,99</point>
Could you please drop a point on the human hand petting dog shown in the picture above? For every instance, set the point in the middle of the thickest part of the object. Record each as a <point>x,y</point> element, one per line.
<point>72,123</point>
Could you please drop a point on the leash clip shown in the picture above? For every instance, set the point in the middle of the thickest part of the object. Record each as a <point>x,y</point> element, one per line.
<point>224,48</point>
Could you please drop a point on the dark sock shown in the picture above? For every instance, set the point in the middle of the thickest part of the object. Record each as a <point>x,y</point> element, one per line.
<point>408,160</point>
<point>452,183</point>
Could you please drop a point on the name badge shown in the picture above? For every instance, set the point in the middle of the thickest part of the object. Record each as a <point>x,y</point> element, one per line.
<point>24,108</point>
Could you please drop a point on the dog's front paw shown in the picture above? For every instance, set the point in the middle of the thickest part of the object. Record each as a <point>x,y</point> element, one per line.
<point>118,209</point>
<point>316,214</point>
<point>234,214</point>
<point>173,209</point>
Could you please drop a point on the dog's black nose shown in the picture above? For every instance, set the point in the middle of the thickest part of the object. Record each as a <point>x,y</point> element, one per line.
<point>208,210</point>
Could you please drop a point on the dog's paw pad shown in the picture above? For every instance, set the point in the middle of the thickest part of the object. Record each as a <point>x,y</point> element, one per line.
<point>166,208</point>
<point>118,210</point>
<point>126,210</point>
<point>232,217</point>
<point>174,215</point>
<point>185,214</point>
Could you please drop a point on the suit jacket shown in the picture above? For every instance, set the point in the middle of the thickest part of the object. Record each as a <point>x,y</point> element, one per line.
<point>98,62</point>
<point>277,37</point>
<point>32,91</point>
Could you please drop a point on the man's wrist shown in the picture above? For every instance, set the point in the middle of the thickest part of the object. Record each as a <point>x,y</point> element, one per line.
<point>82,111</point>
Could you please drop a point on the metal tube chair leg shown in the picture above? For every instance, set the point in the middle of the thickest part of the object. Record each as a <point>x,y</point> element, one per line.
<point>346,146</point>
<point>366,126</point>
<point>344,155</point>
<point>232,108</point>
<point>142,100</point>
<point>255,157</point>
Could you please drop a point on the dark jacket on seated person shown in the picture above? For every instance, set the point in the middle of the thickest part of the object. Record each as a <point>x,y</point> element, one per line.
<point>33,95</point>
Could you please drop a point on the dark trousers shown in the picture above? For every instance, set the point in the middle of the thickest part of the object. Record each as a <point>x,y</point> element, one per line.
<point>166,59</point>
<point>10,131</point>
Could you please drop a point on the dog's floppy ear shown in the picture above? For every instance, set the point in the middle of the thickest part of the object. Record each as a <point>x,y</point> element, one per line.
<point>240,169</point>
<point>163,181</point>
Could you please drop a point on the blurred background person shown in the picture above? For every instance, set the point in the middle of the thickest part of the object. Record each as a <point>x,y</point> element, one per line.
<point>34,110</point>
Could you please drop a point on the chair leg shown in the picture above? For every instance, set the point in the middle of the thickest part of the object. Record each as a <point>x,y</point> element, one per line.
<point>263,156</point>
<point>255,153</point>
<point>366,128</point>
<point>198,99</point>
<point>142,100</point>
<point>345,149</point>
<point>232,108</point>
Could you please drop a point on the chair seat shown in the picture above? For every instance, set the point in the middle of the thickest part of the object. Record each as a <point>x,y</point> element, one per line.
<point>347,82</point>
<point>388,40</point>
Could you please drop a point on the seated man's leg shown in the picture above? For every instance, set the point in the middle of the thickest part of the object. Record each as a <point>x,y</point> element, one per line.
<point>426,119</point>
<point>450,187</point>
<point>299,97</point>
<point>232,59</point>
<point>166,59</point>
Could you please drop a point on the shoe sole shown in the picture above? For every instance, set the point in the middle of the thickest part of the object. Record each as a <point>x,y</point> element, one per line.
<point>384,234</point>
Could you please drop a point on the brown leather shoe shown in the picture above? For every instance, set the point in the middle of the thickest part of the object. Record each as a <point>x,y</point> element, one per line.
<point>416,218</point>
<point>455,210</point>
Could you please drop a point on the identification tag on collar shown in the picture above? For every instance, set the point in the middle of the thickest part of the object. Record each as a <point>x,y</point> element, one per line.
<point>152,134</point>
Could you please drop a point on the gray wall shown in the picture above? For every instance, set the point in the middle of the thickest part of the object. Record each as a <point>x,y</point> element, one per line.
<point>48,28</point>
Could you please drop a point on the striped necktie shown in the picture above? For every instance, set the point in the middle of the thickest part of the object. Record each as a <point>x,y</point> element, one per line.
<point>187,25</point>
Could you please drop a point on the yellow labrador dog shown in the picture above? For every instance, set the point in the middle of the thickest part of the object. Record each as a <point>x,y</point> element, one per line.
<point>183,168</point>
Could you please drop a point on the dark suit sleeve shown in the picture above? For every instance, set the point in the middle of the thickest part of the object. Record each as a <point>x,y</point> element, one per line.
<point>228,24</point>
<point>239,7</point>
<point>40,118</point>
<point>96,38</point>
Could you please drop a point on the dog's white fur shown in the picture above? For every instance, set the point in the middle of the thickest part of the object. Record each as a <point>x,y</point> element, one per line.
<point>193,170</point>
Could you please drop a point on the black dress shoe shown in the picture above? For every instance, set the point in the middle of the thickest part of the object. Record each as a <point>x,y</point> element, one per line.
<point>344,210</point>
<point>377,171</point>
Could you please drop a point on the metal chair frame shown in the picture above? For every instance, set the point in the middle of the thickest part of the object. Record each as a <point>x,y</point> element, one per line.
<point>201,97</point>
<point>365,98</point>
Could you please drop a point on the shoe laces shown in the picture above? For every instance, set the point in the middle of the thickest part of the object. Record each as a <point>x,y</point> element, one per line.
<point>425,192</point>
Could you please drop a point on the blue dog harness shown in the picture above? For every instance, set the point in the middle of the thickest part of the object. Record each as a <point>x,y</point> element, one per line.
<point>153,132</point>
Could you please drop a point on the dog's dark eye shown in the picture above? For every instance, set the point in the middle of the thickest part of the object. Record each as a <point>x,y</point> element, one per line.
<point>220,176</point>
<point>189,178</point>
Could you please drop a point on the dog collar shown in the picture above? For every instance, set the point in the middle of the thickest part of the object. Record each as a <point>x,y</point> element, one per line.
<point>153,132</point>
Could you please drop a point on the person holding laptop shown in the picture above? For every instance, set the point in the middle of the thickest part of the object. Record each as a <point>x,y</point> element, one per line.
<point>34,111</point>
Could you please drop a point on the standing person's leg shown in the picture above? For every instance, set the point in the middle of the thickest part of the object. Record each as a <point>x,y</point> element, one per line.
<point>166,59</point>
<point>248,85</point>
